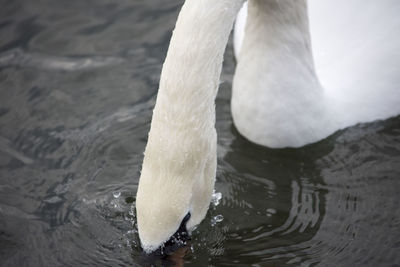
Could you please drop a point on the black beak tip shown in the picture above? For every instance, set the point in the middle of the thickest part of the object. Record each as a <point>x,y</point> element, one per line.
<point>177,240</point>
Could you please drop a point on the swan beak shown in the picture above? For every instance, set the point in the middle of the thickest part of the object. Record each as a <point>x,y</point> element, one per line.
<point>177,240</point>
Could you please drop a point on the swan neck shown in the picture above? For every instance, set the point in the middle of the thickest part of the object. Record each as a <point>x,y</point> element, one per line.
<point>179,166</point>
<point>191,71</point>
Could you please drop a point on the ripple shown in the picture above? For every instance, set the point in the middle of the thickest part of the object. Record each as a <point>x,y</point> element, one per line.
<point>20,58</point>
<point>78,86</point>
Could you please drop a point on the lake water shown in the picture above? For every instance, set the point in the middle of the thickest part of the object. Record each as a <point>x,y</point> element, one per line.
<point>78,81</point>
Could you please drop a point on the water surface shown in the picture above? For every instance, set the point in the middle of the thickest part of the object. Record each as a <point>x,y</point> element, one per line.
<point>78,81</point>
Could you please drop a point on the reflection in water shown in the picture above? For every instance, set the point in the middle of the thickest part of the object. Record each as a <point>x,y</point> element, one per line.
<point>281,197</point>
<point>176,258</point>
<point>72,138</point>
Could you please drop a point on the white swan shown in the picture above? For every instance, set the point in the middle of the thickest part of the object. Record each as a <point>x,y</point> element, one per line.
<point>277,98</point>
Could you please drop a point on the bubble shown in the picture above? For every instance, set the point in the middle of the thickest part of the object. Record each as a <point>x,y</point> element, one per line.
<point>216,198</point>
<point>270,212</point>
<point>217,219</point>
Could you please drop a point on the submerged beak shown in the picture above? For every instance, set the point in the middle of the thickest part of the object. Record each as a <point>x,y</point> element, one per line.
<point>177,240</point>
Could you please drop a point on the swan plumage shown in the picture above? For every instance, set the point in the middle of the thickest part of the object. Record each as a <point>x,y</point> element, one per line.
<point>351,74</point>
<point>291,87</point>
<point>179,165</point>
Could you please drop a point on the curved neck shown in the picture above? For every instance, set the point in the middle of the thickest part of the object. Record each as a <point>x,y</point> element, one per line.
<point>191,71</point>
<point>182,134</point>
<point>180,158</point>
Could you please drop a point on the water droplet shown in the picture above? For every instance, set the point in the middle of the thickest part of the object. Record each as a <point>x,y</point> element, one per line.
<point>270,212</point>
<point>217,219</point>
<point>216,198</point>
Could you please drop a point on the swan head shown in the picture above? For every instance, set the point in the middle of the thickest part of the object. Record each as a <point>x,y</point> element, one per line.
<point>162,222</point>
<point>175,188</point>
<point>163,214</point>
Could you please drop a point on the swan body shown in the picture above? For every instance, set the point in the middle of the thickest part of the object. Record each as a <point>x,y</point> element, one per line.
<point>281,96</point>
<point>305,72</point>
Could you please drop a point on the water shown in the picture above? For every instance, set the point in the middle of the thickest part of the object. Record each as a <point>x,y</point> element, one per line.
<point>78,81</point>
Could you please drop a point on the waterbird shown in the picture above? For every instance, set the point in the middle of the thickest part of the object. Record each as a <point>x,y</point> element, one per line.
<point>305,69</point>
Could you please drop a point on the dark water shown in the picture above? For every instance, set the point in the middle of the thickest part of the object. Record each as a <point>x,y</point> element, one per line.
<point>78,81</point>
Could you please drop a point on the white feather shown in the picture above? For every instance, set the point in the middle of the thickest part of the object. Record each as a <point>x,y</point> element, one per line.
<point>179,166</point>
<point>281,98</point>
